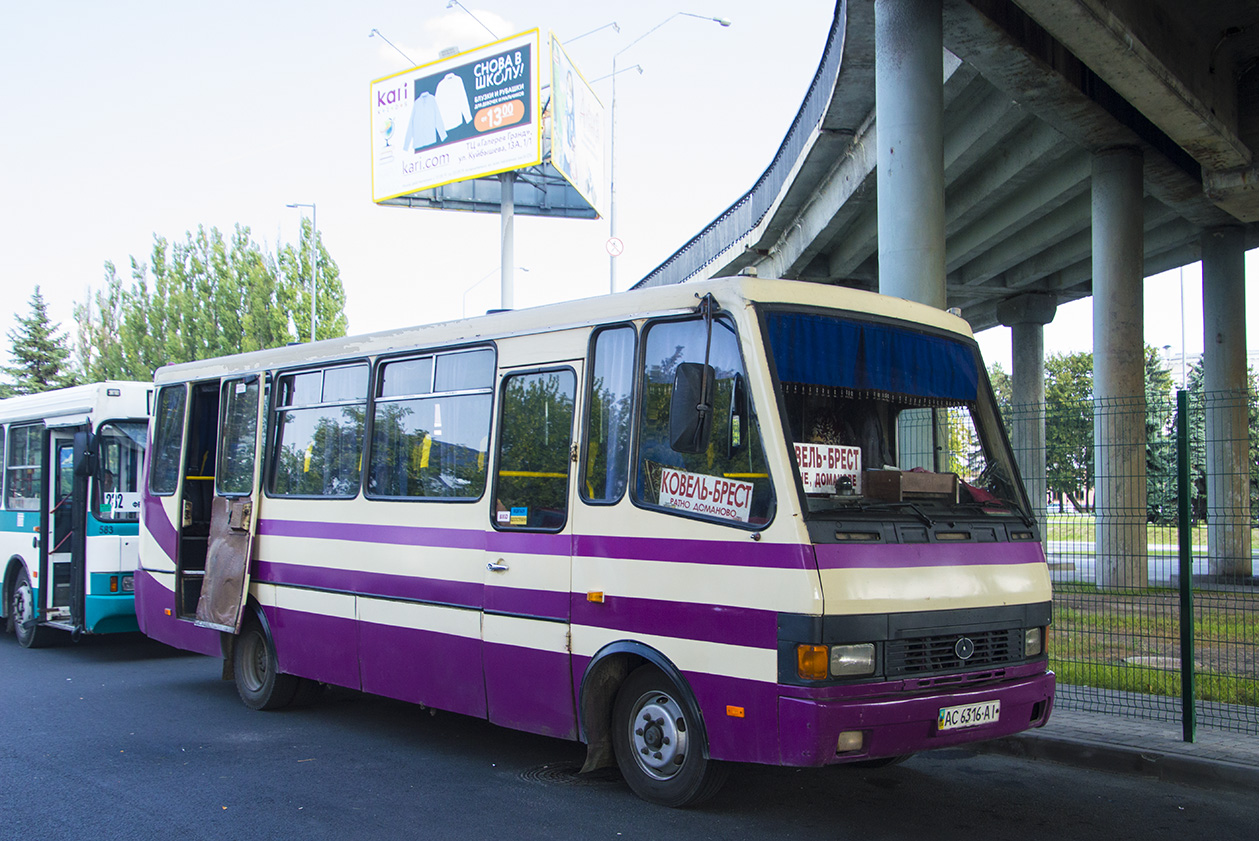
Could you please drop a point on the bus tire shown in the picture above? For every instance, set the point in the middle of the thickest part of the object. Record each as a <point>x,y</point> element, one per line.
<point>660,745</point>
<point>256,670</point>
<point>30,634</point>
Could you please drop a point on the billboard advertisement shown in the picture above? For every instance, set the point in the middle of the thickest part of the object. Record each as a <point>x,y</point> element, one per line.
<point>576,129</point>
<point>467,116</point>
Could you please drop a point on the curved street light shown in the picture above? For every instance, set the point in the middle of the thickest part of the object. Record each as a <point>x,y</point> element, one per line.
<point>612,154</point>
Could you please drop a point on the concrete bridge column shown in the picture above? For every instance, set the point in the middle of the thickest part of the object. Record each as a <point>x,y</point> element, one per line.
<point>1026,316</point>
<point>909,120</point>
<point>1119,369</point>
<point>1225,388</point>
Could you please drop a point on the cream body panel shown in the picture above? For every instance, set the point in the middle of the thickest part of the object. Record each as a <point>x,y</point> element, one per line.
<point>896,590</point>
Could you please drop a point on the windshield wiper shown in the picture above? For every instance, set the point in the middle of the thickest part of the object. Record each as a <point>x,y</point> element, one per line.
<point>862,505</point>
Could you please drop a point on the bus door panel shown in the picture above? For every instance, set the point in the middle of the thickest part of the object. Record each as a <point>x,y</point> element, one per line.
<point>58,520</point>
<point>524,626</point>
<point>232,510</point>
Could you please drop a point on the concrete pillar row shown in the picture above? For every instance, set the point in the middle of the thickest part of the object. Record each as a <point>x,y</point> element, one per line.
<point>1119,369</point>
<point>1026,316</point>
<point>909,115</point>
<point>1225,393</point>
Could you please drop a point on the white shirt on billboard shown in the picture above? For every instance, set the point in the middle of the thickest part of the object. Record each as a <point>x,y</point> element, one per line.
<point>452,99</point>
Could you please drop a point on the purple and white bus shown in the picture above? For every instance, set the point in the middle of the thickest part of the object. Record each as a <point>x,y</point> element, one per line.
<point>743,520</point>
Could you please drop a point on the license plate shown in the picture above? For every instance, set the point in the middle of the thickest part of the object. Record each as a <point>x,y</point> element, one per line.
<point>970,715</point>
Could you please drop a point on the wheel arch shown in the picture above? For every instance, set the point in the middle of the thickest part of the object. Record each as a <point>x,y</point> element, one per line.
<point>604,675</point>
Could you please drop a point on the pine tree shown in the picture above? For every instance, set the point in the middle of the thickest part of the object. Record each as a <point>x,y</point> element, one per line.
<point>39,352</point>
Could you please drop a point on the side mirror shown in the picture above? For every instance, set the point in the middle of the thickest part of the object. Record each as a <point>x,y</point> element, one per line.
<point>737,440</point>
<point>85,460</point>
<point>690,410</point>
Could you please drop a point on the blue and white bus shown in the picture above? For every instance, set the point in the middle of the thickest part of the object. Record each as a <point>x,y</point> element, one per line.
<point>70,519</point>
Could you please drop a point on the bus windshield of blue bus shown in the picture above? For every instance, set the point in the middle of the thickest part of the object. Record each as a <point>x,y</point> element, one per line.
<point>883,418</point>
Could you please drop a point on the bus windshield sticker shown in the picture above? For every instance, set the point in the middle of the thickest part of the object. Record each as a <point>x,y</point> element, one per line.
<point>117,502</point>
<point>504,517</point>
<point>829,468</point>
<point>519,516</point>
<point>701,494</point>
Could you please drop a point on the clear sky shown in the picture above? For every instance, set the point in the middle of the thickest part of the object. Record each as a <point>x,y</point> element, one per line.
<point>140,117</point>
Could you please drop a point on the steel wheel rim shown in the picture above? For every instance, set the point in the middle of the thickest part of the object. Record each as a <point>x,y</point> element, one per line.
<point>23,604</point>
<point>255,663</point>
<point>658,735</point>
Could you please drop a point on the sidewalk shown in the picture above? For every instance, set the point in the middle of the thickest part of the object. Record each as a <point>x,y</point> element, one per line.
<point>1218,759</point>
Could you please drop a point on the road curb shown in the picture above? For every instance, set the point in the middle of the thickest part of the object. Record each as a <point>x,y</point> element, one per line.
<point>1215,774</point>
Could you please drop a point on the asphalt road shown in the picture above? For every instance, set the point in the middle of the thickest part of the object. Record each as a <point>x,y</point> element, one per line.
<point>123,738</point>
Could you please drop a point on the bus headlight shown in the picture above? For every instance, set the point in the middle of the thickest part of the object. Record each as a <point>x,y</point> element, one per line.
<point>1033,642</point>
<point>128,583</point>
<point>852,660</point>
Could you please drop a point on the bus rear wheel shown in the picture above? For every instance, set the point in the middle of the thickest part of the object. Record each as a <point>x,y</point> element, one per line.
<point>30,634</point>
<point>256,670</point>
<point>660,746</point>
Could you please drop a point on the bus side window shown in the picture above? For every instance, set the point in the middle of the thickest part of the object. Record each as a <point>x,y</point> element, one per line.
<point>24,468</point>
<point>168,439</point>
<point>728,479</point>
<point>320,416</point>
<point>610,414</point>
<point>531,482</point>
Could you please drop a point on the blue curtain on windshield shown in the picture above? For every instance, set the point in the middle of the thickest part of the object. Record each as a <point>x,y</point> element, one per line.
<point>820,350</point>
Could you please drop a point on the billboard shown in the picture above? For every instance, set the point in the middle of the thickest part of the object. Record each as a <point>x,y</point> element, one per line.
<point>576,129</point>
<point>467,116</point>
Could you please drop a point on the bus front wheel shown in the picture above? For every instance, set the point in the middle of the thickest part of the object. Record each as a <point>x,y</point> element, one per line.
<point>30,634</point>
<point>660,745</point>
<point>256,670</point>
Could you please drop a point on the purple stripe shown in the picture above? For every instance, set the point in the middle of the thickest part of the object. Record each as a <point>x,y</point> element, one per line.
<point>910,555</point>
<point>159,525</point>
<point>367,533</point>
<point>688,620</point>
<point>439,590</point>
<point>746,552</point>
<point>723,552</point>
<point>547,604</point>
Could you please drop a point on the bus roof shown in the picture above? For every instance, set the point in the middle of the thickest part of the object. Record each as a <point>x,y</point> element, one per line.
<point>78,404</point>
<point>731,293</point>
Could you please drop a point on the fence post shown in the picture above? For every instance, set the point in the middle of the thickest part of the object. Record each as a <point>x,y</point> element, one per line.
<point>1188,706</point>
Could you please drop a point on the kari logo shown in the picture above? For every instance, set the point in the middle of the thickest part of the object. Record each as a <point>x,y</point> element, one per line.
<point>964,648</point>
<point>397,96</point>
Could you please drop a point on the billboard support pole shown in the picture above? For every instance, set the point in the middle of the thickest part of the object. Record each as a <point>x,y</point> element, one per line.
<point>508,262</point>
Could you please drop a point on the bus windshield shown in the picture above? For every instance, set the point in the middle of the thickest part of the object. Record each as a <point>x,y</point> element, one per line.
<point>884,418</point>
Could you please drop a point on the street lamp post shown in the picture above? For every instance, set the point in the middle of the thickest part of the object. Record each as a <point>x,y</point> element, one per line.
<point>612,152</point>
<point>314,228</point>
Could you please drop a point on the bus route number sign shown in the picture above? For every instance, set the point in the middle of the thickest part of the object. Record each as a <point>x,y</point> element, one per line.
<point>116,502</point>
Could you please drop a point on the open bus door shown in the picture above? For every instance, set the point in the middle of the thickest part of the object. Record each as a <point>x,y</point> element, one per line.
<point>69,460</point>
<point>232,508</point>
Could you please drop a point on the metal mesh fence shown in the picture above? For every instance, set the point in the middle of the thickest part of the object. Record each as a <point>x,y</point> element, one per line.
<point>1111,495</point>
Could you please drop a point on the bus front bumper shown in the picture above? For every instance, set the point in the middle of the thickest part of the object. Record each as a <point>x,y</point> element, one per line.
<point>897,725</point>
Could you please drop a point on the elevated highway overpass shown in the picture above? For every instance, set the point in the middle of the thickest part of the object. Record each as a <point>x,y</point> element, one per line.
<point>1007,156</point>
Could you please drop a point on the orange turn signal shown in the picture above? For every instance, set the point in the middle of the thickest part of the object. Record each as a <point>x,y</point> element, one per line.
<point>734,712</point>
<point>595,596</point>
<point>812,661</point>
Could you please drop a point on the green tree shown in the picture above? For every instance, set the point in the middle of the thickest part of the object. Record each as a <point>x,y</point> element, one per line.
<point>204,296</point>
<point>1069,426</point>
<point>39,353</point>
<point>1160,441</point>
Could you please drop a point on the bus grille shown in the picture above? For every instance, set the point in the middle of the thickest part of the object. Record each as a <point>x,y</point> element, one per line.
<point>939,653</point>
